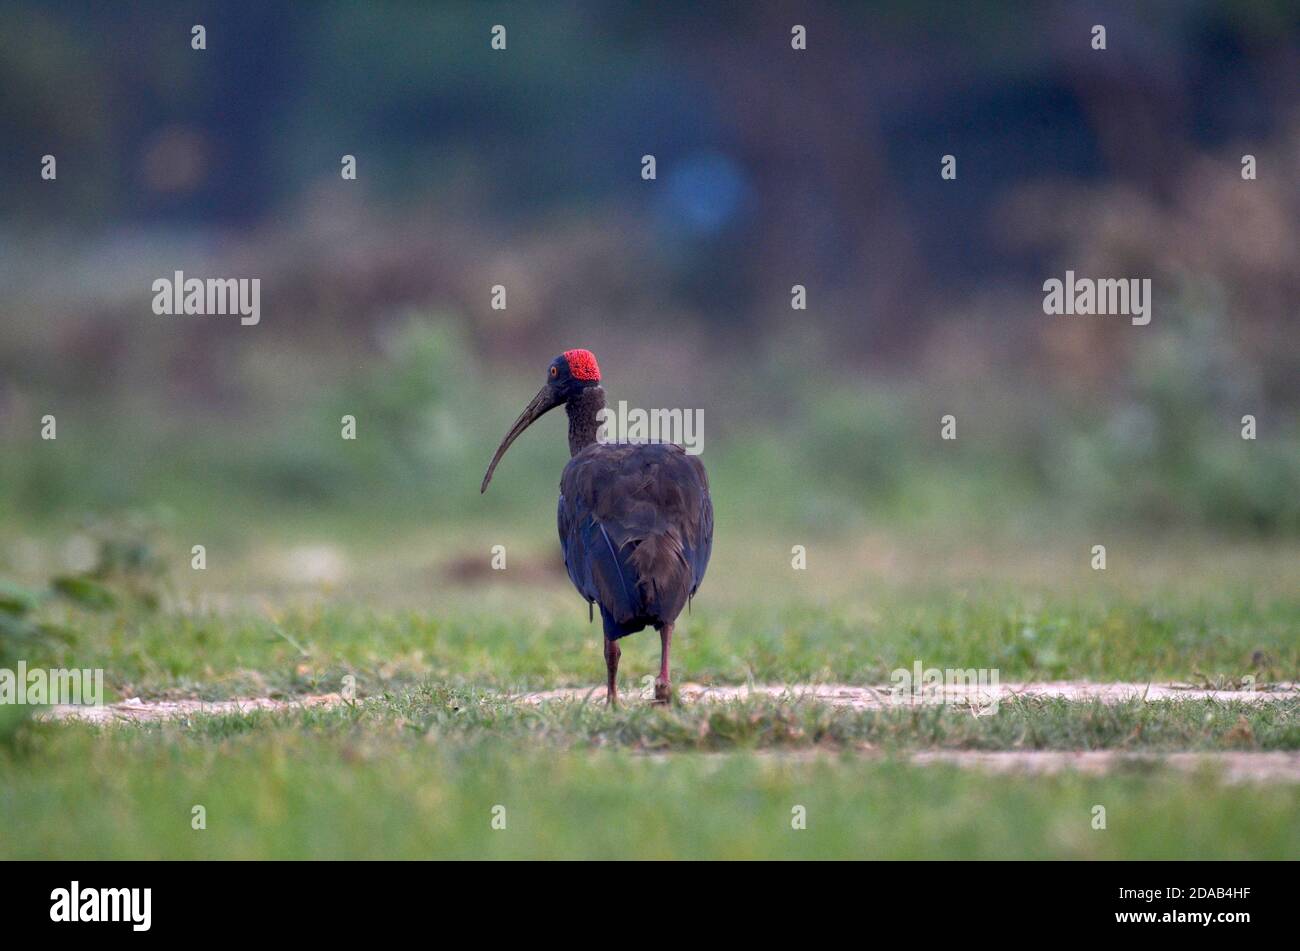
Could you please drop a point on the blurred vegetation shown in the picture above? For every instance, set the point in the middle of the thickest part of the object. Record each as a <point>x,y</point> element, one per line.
<point>521,168</point>
<point>836,452</point>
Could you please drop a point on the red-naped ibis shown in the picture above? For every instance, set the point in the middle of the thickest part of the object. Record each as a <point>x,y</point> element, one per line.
<point>635,520</point>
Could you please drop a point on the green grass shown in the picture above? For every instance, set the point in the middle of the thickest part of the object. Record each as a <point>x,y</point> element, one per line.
<point>416,774</point>
<point>277,788</point>
<point>1218,637</point>
<point>414,768</point>
<point>764,723</point>
<point>439,714</point>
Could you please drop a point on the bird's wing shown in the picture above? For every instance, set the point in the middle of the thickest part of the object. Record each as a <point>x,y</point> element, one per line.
<point>636,524</point>
<point>595,564</point>
<point>698,554</point>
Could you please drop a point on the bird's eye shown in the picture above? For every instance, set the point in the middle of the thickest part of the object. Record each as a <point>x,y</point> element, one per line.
<point>554,372</point>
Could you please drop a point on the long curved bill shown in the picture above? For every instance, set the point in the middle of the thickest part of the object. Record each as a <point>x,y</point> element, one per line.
<point>542,403</point>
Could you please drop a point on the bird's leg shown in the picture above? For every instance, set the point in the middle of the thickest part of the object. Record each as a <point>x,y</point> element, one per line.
<point>612,654</point>
<point>663,688</point>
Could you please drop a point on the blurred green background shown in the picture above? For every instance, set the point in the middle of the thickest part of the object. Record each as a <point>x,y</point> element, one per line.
<point>522,168</point>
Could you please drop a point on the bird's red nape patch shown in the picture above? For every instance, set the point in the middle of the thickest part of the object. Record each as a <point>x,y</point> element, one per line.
<point>582,364</point>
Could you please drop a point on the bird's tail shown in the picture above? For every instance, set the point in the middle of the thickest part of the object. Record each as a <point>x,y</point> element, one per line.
<point>664,574</point>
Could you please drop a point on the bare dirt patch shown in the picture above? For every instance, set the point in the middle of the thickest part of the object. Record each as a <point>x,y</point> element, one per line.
<point>873,698</point>
<point>135,710</point>
<point>840,695</point>
<point>1231,767</point>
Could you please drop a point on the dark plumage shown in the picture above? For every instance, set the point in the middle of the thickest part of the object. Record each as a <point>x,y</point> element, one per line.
<point>636,525</point>
<point>635,520</point>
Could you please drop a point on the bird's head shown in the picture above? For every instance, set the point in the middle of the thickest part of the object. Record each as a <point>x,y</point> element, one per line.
<point>568,375</point>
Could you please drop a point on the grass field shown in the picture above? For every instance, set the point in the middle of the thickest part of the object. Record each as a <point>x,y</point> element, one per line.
<point>433,742</point>
<point>374,785</point>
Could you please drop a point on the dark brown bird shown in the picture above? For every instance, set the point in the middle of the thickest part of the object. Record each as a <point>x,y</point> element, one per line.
<point>635,520</point>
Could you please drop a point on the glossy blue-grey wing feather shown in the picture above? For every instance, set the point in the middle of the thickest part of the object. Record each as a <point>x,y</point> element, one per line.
<point>593,561</point>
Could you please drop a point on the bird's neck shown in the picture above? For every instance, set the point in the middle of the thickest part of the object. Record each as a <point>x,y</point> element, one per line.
<point>583,410</point>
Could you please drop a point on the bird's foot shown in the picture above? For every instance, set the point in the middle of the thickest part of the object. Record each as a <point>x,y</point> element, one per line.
<point>663,691</point>
<point>611,699</point>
